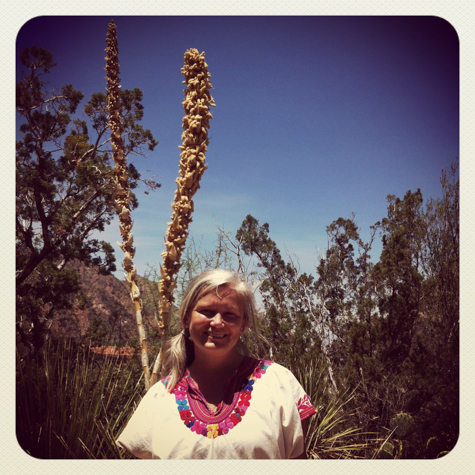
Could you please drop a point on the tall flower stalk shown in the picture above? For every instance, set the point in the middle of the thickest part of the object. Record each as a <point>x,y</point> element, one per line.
<point>197,105</point>
<point>122,185</point>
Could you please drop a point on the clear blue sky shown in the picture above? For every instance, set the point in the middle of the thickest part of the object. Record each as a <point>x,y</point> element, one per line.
<point>315,118</point>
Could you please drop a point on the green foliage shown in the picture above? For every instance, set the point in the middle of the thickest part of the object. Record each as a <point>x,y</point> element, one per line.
<point>254,239</point>
<point>329,433</point>
<point>287,323</point>
<point>387,329</point>
<point>402,425</point>
<point>46,292</point>
<point>150,296</point>
<point>397,276</point>
<point>64,190</point>
<point>387,451</point>
<point>74,404</point>
<point>97,331</point>
<point>82,299</point>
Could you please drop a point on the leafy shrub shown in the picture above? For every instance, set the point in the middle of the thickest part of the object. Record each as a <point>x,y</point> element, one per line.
<point>72,404</point>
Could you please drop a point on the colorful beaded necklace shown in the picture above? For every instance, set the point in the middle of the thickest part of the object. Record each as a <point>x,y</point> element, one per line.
<point>196,418</point>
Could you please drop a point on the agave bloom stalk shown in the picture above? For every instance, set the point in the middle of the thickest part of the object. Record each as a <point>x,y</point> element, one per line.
<point>122,185</point>
<point>197,105</point>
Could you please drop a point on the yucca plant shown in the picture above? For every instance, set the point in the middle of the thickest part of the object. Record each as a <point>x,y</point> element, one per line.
<point>74,405</point>
<point>122,200</point>
<point>329,435</point>
<point>197,103</point>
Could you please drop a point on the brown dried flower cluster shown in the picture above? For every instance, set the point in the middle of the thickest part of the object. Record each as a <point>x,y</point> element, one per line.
<point>115,124</point>
<point>121,182</point>
<point>197,105</point>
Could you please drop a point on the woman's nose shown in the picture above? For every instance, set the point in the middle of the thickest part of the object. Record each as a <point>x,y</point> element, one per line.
<point>217,320</point>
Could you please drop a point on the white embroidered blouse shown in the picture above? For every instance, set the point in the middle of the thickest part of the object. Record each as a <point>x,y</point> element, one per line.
<point>260,418</point>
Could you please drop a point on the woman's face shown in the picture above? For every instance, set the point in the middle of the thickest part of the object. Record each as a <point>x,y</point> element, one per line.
<point>216,322</point>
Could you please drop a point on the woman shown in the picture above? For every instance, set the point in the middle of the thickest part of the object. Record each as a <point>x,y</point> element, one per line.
<point>216,402</point>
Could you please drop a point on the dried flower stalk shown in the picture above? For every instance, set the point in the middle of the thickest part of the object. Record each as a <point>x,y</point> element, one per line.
<point>122,185</point>
<point>197,105</point>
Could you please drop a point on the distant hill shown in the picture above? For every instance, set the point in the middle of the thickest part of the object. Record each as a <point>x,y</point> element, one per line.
<point>103,309</point>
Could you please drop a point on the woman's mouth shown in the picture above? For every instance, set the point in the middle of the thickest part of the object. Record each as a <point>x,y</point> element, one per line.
<point>216,335</point>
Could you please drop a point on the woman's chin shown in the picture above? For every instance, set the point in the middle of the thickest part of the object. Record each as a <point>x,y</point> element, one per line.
<point>216,343</point>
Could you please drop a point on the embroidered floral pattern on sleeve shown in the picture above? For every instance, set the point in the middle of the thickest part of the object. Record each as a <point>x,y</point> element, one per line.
<point>306,408</point>
<point>194,417</point>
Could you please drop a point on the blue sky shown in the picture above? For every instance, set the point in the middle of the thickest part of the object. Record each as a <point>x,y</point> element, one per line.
<point>316,118</point>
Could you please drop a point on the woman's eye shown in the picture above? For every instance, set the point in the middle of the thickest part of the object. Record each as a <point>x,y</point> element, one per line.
<point>227,317</point>
<point>207,313</point>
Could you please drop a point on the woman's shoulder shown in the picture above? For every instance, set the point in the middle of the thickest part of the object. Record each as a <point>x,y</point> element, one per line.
<point>279,375</point>
<point>261,366</point>
<point>282,385</point>
<point>273,367</point>
<point>158,390</point>
<point>273,371</point>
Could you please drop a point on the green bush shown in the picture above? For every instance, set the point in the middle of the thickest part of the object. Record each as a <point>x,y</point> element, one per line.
<point>330,432</point>
<point>72,404</point>
<point>402,425</point>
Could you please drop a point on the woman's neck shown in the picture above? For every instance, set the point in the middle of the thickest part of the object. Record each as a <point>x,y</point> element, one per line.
<point>209,367</point>
<point>211,375</point>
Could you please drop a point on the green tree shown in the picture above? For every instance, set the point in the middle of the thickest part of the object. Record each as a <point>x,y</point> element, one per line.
<point>441,257</point>
<point>65,189</point>
<point>343,282</point>
<point>398,276</point>
<point>378,339</point>
<point>347,305</point>
<point>402,347</point>
<point>434,360</point>
<point>254,239</point>
<point>287,324</point>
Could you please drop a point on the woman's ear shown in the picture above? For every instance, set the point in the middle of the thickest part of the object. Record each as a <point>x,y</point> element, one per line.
<point>186,321</point>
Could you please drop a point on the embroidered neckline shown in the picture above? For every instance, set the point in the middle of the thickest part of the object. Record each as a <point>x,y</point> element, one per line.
<point>223,421</point>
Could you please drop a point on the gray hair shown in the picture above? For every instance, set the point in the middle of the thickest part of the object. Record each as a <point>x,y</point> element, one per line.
<point>179,352</point>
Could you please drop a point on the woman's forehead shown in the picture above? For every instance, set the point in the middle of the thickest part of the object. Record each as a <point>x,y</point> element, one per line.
<point>222,296</point>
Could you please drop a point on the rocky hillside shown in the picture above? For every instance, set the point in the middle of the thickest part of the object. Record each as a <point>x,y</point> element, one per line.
<point>103,311</point>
